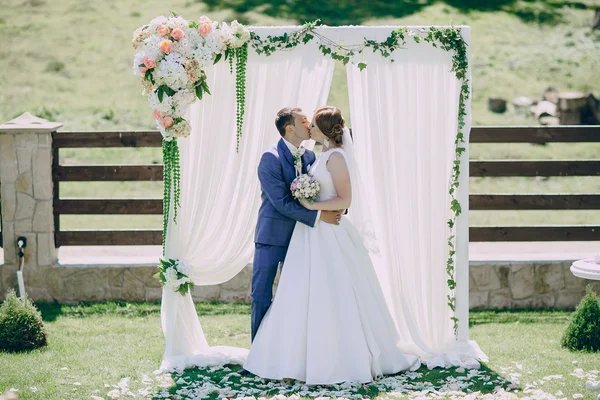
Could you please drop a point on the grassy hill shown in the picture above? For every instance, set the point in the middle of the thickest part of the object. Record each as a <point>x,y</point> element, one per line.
<point>70,61</point>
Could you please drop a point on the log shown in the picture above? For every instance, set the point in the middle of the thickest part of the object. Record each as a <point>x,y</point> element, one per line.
<point>544,108</point>
<point>497,105</point>
<point>571,101</point>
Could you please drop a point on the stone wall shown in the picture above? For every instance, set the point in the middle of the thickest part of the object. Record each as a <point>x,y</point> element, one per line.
<point>525,285</point>
<point>517,285</point>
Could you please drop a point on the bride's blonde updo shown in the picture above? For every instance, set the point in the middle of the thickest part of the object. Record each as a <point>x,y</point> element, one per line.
<point>330,121</point>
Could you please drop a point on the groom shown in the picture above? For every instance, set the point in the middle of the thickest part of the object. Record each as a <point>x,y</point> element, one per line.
<point>279,211</point>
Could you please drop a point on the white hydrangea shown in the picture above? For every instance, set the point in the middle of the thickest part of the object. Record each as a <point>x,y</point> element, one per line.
<point>166,106</point>
<point>171,72</point>
<point>183,99</point>
<point>240,35</point>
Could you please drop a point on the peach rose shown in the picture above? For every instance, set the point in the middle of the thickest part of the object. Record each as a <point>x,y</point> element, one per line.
<point>162,30</point>
<point>167,122</point>
<point>156,114</point>
<point>143,69</point>
<point>165,46</point>
<point>148,62</point>
<point>205,26</point>
<point>177,34</point>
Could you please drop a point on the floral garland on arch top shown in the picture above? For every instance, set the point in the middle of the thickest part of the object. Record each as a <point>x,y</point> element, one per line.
<point>174,54</point>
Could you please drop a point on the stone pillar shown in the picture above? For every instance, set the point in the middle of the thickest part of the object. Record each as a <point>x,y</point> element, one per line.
<point>26,195</point>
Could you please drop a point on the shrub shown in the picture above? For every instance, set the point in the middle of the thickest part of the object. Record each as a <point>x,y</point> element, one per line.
<point>21,326</point>
<point>583,332</point>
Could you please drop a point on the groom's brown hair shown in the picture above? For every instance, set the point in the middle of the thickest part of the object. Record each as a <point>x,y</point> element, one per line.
<point>285,117</point>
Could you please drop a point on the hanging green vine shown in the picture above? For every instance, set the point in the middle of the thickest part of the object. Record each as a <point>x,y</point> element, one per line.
<point>171,183</point>
<point>241,55</point>
<point>449,39</point>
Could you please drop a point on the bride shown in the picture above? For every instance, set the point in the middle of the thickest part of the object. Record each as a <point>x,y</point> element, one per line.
<point>329,321</point>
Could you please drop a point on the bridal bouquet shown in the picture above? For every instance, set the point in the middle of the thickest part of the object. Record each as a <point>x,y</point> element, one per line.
<point>171,61</point>
<point>173,274</point>
<point>305,187</point>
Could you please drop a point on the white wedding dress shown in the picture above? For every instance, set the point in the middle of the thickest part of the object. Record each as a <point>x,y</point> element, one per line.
<point>329,321</point>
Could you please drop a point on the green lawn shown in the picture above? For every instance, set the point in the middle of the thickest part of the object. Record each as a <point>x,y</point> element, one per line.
<point>95,347</point>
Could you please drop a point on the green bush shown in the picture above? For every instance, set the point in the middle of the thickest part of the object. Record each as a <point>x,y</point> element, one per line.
<point>583,332</point>
<point>21,326</point>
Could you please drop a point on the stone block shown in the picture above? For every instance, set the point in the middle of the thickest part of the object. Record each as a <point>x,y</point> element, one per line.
<point>568,299</point>
<point>42,174</point>
<point>44,140</point>
<point>206,293</point>
<point>38,294</point>
<point>153,294</point>
<point>55,285</point>
<point>24,183</point>
<point>115,277</point>
<point>25,206</point>
<point>26,140</point>
<point>8,196</point>
<point>478,299</point>
<point>47,253</point>
<point>9,169</point>
<point>500,298</point>
<point>134,288</point>
<point>522,280</point>
<point>24,158</point>
<point>43,219</point>
<point>86,284</point>
<point>23,226</point>
<point>9,243</point>
<point>549,278</point>
<point>485,278</point>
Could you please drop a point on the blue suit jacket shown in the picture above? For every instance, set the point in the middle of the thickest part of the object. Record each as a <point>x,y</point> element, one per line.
<point>279,211</point>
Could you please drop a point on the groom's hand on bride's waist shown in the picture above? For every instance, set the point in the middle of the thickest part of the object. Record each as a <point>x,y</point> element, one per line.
<point>332,217</point>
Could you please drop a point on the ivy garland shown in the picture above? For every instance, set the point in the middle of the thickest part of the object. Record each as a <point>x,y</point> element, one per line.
<point>449,39</point>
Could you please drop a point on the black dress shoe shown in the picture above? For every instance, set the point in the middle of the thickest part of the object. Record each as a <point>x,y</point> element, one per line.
<point>244,372</point>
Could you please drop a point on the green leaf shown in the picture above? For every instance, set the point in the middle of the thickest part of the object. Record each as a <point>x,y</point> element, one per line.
<point>218,58</point>
<point>199,92</point>
<point>362,66</point>
<point>417,39</point>
<point>307,38</point>
<point>159,93</point>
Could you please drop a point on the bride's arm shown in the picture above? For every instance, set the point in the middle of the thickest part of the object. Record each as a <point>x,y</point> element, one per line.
<point>338,168</point>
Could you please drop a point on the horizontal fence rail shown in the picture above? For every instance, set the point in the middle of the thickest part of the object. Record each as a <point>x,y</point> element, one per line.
<point>477,202</point>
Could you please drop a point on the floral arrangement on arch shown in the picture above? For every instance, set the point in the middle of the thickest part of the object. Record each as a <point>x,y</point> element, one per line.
<point>171,62</point>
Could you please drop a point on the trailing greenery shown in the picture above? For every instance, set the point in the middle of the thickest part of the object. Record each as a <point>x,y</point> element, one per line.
<point>21,326</point>
<point>583,332</point>
<point>241,55</point>
<point>448,39</point>
<point>171,183</point>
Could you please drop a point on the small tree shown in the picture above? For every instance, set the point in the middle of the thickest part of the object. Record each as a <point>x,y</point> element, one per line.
<point>583,332</point>
<point>21,326</point>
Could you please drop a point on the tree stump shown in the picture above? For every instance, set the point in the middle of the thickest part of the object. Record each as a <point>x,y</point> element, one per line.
<point>497,105</point>
<point>571,105</point>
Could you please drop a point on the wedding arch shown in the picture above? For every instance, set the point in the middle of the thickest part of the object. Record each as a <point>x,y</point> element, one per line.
<point>409,91</point>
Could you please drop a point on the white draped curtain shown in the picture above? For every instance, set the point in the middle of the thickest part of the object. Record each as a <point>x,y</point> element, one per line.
<point>404,120</point>
<point>220,192</point>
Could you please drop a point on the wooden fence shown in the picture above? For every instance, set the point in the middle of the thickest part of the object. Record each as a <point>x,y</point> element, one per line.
<point>504,168</point>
